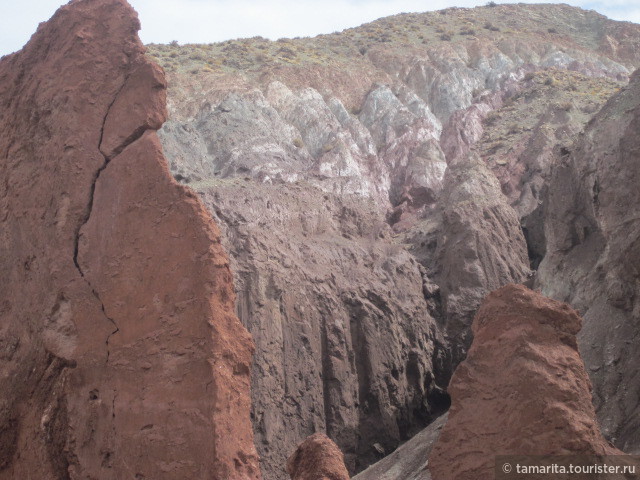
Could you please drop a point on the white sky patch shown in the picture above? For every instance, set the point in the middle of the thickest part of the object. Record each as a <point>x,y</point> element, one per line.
<point>207,21</point>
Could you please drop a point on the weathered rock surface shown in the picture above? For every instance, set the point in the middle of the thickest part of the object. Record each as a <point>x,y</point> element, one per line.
<point>389,153</point>
<point>522,390</point>
<point>593,255</point>
<point>345,343</point>
<point>324,227</point>
<point>121,355</point>
<point>306,149</point>
<point>470,244</point>
<point>517,133</point>
<point>317,458</point>
<point>411,460</point>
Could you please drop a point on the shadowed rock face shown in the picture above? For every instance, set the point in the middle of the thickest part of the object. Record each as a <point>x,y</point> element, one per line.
<point>593,259</point>
<point>121,355</point>
<point>411,460</point>
<point>470,244</point>
<point>522,389</point>
<point>317,458</point>
<point>345,343</point>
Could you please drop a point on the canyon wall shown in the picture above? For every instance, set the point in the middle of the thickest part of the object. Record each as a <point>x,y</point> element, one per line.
<point>593,239</point>
<point>373,186</point>
<point>369,200</point>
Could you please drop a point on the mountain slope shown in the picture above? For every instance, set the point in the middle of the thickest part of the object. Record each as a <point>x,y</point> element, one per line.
<point>325,159</point>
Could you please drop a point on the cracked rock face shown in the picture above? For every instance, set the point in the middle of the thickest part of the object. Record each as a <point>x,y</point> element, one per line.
<point>522,389</point>
<point>317,458</point>
<point>120,352</point>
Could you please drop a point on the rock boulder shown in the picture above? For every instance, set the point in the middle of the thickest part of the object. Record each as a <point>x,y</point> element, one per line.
<point>522,390</point>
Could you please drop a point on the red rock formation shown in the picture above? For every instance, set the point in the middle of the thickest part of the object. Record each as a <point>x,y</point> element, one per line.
<point>120,353</point>
<point>522,390</point>
<point>317,458</point>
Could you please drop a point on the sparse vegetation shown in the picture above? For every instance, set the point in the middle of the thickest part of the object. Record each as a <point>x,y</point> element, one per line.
<point>490,26</point>
<point>566,106</point>
<point>522,114</point>
<point>350,49</point>
<point>327,147</point>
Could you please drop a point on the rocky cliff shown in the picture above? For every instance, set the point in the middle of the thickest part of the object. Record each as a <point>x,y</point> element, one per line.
<point>522,389</point>
<point>345,343</point>
<point>470,244</point>
<point>592,230</point>
<point>373,186</point>
<point>120,352</point>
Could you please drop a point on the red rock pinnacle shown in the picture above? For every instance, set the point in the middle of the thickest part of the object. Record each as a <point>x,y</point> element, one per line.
<point>317,458</point>
<point>120,353</point>
<point>522,390</point>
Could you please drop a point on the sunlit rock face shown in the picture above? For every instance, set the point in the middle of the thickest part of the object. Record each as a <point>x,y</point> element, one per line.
<point>122,356</point>
<point>523,373</point>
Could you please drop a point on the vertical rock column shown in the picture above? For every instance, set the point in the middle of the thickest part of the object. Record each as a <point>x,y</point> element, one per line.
<point>522,390</point>
<point>120,353</point>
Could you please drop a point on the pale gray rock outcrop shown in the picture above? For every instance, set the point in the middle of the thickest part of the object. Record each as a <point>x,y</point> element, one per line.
<point>447,78</point>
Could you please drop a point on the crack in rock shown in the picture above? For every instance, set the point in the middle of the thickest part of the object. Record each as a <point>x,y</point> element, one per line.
<point>107,159</point>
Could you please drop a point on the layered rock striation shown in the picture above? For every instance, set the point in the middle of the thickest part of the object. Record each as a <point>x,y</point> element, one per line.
<point>345,342</point>
<point>325,159</point>
<point>121,355</point>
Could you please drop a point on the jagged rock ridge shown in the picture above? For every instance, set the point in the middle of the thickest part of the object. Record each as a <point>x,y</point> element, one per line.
<point>121,353</point>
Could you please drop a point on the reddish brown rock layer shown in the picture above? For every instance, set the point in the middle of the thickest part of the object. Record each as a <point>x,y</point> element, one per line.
<point>317,458</point>
<point>522,390</point>
<point>120,353</point>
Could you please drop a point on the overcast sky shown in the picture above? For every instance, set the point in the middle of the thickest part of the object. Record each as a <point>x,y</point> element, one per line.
<point>205,21</point>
